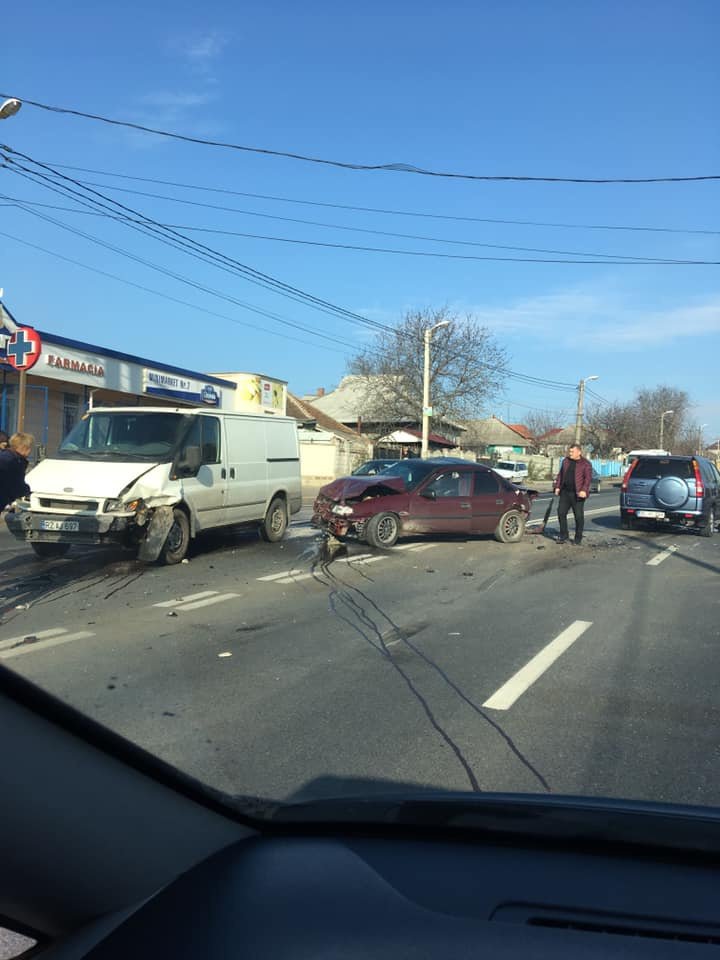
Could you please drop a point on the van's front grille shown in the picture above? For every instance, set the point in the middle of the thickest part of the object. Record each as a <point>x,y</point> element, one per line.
<point>88,506</point>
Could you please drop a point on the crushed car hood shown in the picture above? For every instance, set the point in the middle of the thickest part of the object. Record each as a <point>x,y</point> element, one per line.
<point>350,488</point>
<point>84,478</point>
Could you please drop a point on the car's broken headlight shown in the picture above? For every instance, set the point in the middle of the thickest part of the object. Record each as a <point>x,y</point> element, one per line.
<point>119,506</point>
<point>342,510</point>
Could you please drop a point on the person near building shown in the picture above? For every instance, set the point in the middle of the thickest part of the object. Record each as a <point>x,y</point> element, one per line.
<point>13,464</point>
<point>572,485</point>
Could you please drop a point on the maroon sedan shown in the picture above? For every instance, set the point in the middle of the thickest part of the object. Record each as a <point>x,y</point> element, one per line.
<point>424,496</point>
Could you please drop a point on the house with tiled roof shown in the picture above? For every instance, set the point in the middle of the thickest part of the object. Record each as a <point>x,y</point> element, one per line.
<point>328,448</point>
<point>493,436</point>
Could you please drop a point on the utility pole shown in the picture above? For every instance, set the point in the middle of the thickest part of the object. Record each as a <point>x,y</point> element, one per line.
<point>667,413</point>
<point>427,409</point>
<point>581,401</point>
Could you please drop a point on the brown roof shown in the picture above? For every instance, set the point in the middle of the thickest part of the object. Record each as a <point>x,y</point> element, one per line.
<point>302,410</point>
<point>522,430</point>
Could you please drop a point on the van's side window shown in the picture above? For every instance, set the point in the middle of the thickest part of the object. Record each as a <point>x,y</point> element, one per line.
<point>210,440</point>
<point>205,433</point>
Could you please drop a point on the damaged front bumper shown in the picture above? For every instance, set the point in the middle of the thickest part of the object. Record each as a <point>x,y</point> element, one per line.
<point>68,528</point>
<point>337,525</point>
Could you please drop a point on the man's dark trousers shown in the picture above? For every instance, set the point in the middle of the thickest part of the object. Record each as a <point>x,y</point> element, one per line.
<point>571,501</point>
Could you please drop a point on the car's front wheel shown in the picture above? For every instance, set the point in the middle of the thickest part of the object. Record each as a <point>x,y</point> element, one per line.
<point>382,530</point>
<point>511,527</point>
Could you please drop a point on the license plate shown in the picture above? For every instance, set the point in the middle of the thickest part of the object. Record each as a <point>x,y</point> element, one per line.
<point>655,514</point>
<point>61,526</point>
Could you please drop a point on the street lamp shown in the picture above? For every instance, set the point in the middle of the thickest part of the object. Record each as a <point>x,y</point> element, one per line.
<point>9,108</point>
<point>700,438</point>
<point>427,409</point>
<point>666,413</point>
<point>581,400</point>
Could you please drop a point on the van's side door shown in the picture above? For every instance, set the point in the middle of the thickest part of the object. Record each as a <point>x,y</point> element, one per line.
<point>206,492</point>
<point>247,484</point>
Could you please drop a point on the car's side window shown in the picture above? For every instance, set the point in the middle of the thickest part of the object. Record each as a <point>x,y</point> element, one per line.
<point>446,485</point>
<point>485,482</point>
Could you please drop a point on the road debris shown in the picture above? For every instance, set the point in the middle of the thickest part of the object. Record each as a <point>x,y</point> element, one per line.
<point>225,654</point>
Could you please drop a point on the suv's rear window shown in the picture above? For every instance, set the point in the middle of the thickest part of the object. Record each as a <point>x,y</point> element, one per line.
<point>649,467</point>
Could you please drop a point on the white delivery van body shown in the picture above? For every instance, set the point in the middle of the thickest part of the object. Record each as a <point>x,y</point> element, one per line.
<point>151,478</point>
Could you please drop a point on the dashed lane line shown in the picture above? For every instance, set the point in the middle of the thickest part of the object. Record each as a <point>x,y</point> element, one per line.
<point>660,557</point>
<point>196,601</point>
<point>521,681</point>
<point>42,640</point>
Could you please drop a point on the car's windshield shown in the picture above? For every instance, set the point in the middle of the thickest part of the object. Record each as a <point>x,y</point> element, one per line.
<point>478,240</point>
<point>121,435</point>
<point>412,472</point>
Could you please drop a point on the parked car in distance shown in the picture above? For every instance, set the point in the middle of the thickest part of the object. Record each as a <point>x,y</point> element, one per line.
<point>371,467</point>
<point>515,470</point>
<point>442,495</point>
<point>596,482</point>
<point>679,490</point>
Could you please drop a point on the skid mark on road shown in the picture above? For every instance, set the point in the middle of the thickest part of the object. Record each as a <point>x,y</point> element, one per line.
<point>356,612</point>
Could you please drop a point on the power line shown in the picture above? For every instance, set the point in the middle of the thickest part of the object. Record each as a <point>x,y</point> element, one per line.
<point>623,261</point>
<point>346,165</point>
<point>382,233</point>
<point>381,210</point>
<point>158,293</point>
<point>179,241</point>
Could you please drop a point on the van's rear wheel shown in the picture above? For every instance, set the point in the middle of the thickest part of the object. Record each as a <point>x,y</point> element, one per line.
<point>178,540</point>
<point>275,523</point>
<point>50,551</point>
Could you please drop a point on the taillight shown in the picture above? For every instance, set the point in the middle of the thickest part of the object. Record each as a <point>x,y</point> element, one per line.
<point>627,475</point>
<point>699,488</point>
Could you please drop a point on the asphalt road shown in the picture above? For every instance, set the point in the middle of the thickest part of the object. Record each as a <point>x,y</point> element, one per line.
<point>279,671</point>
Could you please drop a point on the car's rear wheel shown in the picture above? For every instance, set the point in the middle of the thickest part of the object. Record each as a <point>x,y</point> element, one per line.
<point>382,530</point>
<point>511,527</point>
<point>50,551</point>
<point>708,528</point>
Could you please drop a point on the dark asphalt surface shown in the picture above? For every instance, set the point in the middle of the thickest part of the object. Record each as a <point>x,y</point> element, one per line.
<point>374,666</point>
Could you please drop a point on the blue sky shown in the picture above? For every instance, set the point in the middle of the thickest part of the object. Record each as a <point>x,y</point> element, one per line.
<point>552,88</point>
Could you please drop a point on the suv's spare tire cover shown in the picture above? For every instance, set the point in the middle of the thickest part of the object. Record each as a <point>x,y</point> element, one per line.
<point>671,492</point>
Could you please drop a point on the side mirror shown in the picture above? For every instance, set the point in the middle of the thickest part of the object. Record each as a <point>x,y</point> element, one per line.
<point>429,494</point>
<point>189,462</point>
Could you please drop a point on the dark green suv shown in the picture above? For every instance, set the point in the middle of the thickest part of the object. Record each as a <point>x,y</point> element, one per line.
<point>679,490</point>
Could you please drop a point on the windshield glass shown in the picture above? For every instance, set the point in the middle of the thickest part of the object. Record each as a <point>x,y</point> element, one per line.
<point>124,436</point>
<point>433,234</point>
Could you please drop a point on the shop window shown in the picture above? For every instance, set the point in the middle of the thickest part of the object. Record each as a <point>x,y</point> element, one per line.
<point>71,412</point>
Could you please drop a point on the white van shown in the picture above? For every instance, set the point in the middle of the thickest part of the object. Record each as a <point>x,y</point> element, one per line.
<point>151,478</point>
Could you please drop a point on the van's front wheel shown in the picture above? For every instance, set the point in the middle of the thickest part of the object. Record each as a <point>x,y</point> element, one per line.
<point>274,525</point>
<point>178,539</point>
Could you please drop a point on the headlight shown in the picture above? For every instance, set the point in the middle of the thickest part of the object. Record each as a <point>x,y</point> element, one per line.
<point>342,510</point>
<point>118,506</point>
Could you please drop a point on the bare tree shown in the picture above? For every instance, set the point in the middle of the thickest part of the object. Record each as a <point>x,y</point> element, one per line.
<point>636,425</point>
<point>466,369</point>
<point>540,422</point>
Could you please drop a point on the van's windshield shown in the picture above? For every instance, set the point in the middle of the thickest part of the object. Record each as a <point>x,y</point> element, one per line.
<point>125,436</point>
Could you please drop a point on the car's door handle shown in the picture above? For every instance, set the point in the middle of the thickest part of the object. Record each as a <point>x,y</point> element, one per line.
<point>464,506</point>
<point>223,473</point>
<point>232,473</point>
<point>499,502</point>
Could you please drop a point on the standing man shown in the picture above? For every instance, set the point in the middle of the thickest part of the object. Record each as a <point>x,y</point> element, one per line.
<point>572,485</point>
<point>13,464</point>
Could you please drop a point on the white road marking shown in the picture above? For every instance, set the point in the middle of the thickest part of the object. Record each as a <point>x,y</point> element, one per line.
<point>588,513</point>
<point>661,556</point>
<point>196,600</point>
<point>279,576</point>
<point>46,639</point>
<point>41,635</point>
<point>193,596</point>
<point>208,601</point>
<point>509,692</point>
<point>296,579</point>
